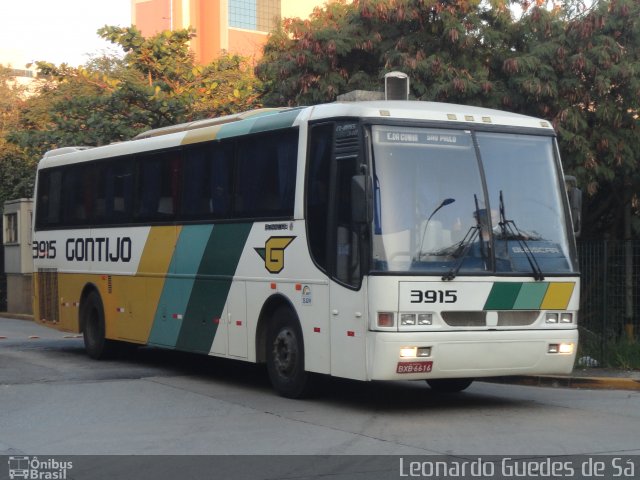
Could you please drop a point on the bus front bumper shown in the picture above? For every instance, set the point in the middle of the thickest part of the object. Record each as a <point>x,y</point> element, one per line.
<point>470,354</point>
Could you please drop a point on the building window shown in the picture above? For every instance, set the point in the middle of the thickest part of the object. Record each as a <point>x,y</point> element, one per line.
<point>259,15</point>
<point>11,228</point>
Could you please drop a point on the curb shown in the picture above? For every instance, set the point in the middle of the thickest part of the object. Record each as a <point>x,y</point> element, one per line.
<point>594,383</point>
<point>16,316</point>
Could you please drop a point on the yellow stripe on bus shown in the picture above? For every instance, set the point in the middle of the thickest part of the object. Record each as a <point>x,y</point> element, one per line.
<point>558,296</point>
<point>144,289</point>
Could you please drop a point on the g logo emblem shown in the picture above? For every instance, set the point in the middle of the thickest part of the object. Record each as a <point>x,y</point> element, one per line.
<point>273,253</point>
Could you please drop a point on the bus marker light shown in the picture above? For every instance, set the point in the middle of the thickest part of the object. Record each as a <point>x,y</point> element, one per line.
<point>351,333</point>
<point>273,286</point>
<point>216,320</point>
<point>385,319</point>
<point>298,287</point>
<point>238,323</point>
<point>177,316</point>
<point>408,352</point>
<point>120,309</point>
<point>316,329</point>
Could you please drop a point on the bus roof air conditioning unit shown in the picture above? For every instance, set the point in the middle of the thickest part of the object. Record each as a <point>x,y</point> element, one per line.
<point>396,86</point>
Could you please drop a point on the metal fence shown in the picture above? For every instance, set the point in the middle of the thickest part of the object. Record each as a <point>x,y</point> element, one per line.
<point>610,302</point>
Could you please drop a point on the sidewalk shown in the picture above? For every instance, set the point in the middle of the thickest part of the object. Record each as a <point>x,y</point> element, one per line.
<point>589,378</point>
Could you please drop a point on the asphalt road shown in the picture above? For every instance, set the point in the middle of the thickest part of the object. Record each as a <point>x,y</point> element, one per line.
<point>56,401</point>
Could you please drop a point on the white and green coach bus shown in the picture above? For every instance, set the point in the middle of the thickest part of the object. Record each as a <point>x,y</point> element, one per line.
<point>384,240</point>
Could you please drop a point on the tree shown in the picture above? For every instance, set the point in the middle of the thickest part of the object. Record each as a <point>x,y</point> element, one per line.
<point>445,46</point>
<point>582,73</point>
<point>112,99</point>
<point>576,66</point>
<point>16,169</point>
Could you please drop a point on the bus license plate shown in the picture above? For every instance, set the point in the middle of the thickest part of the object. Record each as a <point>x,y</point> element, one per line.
<point>414,367</point>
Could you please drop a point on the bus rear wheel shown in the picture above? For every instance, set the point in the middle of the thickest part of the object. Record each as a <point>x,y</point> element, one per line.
<point>285,356</point>
<point>92,313</point>
<point>449,385</point>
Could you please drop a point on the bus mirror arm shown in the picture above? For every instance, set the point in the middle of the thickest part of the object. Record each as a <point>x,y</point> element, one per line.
<point>361,199</point>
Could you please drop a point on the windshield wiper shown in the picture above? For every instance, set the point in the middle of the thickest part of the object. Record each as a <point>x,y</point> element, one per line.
<point>465,245</point>
<point>509,230</point>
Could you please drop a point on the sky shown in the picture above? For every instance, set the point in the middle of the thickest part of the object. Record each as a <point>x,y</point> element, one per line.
<point>57,31</point>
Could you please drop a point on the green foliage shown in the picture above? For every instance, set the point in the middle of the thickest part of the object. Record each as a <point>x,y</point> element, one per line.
<point>16,169</point>
<point>112,99</point>
<point>576,66</point>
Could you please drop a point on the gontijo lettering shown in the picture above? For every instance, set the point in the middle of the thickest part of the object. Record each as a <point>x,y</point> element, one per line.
<point>101,249</point>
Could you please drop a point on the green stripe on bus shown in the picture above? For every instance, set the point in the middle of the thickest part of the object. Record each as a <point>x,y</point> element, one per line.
<point>503,296</point>
<point>530,296</point>
<point>274,122</point>
<point>211,287</point>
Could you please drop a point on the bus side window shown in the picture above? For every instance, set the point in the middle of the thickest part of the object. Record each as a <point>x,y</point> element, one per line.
<point>265,185</point>
<point>159,186</point>
<point>317,191</point>
<point>207,181</point>
<point>347,266</point>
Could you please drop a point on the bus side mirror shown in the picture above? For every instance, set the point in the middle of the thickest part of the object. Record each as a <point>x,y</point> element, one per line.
<point>575,202</point>
<point>361,199</point>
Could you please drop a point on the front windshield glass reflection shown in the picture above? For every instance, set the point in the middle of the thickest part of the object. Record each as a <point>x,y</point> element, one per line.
<point>522,169</point>
<point>431,214</point>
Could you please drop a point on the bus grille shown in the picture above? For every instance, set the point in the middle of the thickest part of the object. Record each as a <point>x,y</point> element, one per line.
<point>48,294</point>
<point>521,318</point>
<point>465,319</point>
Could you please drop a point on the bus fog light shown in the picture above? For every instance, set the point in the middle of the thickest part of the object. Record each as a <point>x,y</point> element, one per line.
<point>406,352</point>
<point>566,348</point>
<point>566,318</point>
<point>407,319</point>
<point>552,318</point>
<point>424,352</point>
<point>425,319</point>
<point>385,319</point>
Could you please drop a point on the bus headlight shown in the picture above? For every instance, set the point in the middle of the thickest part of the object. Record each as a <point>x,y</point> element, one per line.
<point>425,319</point>
<point>566,317</point>
<point>407,319</point>
<point>552,318</point>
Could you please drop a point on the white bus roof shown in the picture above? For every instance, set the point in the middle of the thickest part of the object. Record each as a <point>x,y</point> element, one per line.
<point>270,119</point>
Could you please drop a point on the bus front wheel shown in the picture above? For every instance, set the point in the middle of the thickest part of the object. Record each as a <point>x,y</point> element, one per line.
<point>449,385</point>
<point>285,356</point>
<point>95,343</point>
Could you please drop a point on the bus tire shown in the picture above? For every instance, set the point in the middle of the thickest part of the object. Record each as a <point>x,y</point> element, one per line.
<point>285,356</point>
<point>95,343</point>
<point>449,385</point>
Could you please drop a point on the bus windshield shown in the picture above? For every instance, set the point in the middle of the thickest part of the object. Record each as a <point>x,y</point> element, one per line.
<point>440,208</point>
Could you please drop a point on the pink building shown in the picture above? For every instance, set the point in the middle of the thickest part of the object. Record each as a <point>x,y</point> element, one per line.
<point>234,26</point>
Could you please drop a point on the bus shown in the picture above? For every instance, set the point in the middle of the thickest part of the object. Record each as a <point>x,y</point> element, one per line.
<point>376,240</point>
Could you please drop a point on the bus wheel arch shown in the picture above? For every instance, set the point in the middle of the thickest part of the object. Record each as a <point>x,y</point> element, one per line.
<point>92,324</point>
<point>283,349</point>
<point>269,308</point>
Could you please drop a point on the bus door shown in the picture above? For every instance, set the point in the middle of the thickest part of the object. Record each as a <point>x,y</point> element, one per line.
<point>335,239</point>
<point>347,237</point>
